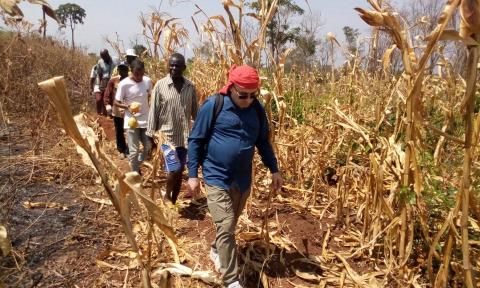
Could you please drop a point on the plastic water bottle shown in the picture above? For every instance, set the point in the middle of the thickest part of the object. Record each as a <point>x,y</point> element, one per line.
<point>172,163</point>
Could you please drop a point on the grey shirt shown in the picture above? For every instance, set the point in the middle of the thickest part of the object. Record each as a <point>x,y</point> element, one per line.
<point>104,72</point>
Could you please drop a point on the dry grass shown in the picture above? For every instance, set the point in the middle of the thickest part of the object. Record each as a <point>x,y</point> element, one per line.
<point>385,166</point>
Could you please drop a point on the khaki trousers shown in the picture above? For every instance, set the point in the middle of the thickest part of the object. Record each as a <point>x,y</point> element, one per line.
<point>225,207</point>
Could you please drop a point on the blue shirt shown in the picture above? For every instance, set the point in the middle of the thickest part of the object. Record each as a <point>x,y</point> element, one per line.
<point>226,152</point>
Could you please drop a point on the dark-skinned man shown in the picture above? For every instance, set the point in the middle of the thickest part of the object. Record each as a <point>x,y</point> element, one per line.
<point>173,106</point>
<point>117,112</point>
<point>104,73</point>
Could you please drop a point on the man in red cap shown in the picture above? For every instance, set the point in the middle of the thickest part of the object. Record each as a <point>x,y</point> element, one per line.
<point>224,145</point>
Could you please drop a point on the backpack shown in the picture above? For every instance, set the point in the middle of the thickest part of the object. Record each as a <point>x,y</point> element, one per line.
<point>217,108</point>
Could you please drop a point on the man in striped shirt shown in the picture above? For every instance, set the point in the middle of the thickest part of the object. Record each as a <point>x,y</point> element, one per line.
<point>173,107</point>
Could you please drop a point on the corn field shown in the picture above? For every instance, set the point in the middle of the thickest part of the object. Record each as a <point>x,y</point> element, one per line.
<point>381,168</point>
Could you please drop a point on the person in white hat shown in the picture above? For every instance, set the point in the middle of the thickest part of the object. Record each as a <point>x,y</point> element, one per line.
<point>130,56</point>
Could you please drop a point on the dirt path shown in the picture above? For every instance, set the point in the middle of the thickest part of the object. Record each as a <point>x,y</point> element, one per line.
<point>69,239</point>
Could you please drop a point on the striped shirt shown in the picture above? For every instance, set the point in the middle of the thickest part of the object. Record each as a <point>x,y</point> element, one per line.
<point>172,112</point>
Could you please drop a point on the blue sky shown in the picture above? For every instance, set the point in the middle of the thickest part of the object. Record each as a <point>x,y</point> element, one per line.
<point>109,17</point>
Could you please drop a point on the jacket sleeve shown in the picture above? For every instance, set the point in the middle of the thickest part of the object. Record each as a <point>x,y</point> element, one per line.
<point>263,144</point>
<point>107,96</point>
<point>199,137</point>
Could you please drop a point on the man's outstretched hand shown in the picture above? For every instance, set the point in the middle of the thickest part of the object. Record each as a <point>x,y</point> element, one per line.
<point>277,182</point>
<point>193,186</point>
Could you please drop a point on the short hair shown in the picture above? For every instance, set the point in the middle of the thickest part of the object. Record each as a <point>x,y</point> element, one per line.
<point>122,67</point>
<point>178,56</point>
<point>137,64</point>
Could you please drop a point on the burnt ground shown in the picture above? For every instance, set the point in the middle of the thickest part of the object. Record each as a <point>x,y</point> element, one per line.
<point>59,242</point>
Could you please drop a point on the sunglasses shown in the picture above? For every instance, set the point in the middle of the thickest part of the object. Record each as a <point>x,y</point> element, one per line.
<point>245,95</point>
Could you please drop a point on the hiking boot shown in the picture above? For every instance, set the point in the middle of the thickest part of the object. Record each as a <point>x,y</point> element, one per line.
<point>216,260</point>
<point>235,284</point>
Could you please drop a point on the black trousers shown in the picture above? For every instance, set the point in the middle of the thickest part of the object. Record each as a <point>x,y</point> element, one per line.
<point>119,135</point>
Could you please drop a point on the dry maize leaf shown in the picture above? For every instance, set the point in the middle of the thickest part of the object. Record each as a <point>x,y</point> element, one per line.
<point>46,8</point>
<point>331,37</point>
<point>264,279</point>
<point>134,182</point>
<point>163,280</point>
<point>87,134</point>
<point>31,205</point>
<point>470,14</point>
<point>309,276</point>
<point>281,242</point>
<point>10,6</point>
<point>474,224</point>
<point>98,200</point>
<point>103,264</point>
<point>372,18</point>
<point>5,245</point>
<point>249,236</point>
<point>51,13</point>
<point>128,254</point>
<point>353,275</point>
<point>219,18</point>
<point>342,278</point>
<point>326,238</point>
<point>208,277</point>
<point>231,3</point>
<point>387,56</point>
<point>375,5</point>
<point>453,35</point>
<point>254,15</point>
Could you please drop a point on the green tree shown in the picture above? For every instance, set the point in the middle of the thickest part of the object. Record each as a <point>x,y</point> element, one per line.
<point>351,36</point>
<point>71,14</point>
<point>139,49</point>
<point>306,41</point>
<point>279,30</point>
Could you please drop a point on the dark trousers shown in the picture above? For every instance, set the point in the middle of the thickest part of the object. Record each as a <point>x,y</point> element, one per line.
<point>120,136</point>
<point>174,179</point>
<point>101,109</point>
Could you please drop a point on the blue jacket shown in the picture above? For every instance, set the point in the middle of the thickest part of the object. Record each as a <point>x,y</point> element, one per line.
<point>226,152</point>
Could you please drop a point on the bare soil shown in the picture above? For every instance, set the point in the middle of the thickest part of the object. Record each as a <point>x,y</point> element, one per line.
<point>61,246</point>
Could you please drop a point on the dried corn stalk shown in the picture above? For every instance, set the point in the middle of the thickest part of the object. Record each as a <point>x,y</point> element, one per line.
<point>122,196</point>
<point>5,245</point>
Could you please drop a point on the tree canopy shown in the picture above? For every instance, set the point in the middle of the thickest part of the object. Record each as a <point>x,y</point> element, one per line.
<point>71,14</point>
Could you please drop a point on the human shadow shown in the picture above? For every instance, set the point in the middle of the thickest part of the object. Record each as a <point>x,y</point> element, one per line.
<point>196,209</point>
<point>276,263</point>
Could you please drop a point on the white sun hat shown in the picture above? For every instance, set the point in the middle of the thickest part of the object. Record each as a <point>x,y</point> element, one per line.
<point>131,52</point>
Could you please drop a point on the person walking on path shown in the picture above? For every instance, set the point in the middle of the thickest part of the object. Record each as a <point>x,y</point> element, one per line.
<point>104,73</point>
<point>94,87</point>
<point>135,88</point>
<point>174,105</point>
<point>130,56</point>
<point>117,112</point>
<point>223,145</point>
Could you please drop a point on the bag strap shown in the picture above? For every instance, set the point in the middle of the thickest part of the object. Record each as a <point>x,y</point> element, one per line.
<point>217,108</point>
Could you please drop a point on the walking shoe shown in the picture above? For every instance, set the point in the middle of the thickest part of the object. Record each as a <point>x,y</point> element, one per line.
<point>216,260</point>
<point>235,284</point>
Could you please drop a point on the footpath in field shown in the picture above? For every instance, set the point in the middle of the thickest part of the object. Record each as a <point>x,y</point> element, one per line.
<point>67,234</point>
<point>304,246</point>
